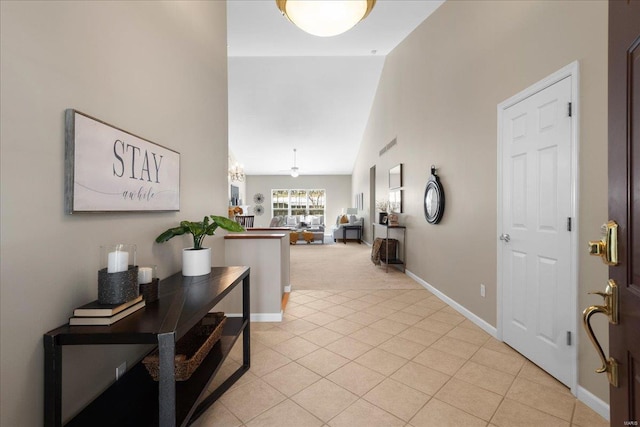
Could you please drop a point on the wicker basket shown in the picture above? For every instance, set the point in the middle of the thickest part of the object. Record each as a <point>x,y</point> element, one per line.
<point>191,349</point>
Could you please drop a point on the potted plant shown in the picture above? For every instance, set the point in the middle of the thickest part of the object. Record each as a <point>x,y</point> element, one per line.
<point>196,260</point>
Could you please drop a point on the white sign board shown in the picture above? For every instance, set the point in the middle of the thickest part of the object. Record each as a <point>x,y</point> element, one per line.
<point>111,170</point>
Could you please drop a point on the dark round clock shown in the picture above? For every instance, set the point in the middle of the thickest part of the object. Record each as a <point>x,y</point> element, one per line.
<point>433,199</point>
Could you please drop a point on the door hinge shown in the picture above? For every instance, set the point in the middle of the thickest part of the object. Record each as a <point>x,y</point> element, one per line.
<point>568,223</point>
<point>569,109</point>
<point>568,337</point>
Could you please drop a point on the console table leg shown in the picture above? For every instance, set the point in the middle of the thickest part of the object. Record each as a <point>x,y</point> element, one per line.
<point>52,382</point>
<point>167,386</point>
<point>246,317</point>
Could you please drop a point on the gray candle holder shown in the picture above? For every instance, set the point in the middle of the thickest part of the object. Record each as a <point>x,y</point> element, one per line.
<point>117,288</point>
<point>149,290</point>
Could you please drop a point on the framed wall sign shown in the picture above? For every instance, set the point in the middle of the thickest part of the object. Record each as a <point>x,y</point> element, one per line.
<point>111,170</point>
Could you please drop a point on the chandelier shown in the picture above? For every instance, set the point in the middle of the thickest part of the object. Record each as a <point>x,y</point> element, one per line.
<point>236,173</point>
<point>325,18</point>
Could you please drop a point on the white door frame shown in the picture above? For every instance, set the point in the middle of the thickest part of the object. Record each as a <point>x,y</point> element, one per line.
<point>571,70</point>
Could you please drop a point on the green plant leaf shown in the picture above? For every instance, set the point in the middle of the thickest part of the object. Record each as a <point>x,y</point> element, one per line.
<point>170,233</point>
<point>226,223</point>
<point>210,230</point>
<point>201,229</point>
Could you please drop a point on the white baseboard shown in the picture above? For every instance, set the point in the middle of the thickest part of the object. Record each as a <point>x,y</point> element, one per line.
<point>287,288</point>
<point>488,328</point>
<point>593,402</point>
<point>260,317</point>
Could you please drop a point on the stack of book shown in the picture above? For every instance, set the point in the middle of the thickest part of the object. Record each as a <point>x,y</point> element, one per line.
<point>95,313</point>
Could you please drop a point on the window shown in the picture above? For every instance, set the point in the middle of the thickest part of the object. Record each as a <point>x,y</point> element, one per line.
<point>317,201</point>
<point>298,202</point>
<point>280,202</point>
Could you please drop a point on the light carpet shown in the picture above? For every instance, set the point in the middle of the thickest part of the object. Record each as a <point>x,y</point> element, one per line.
<point>339,266</point>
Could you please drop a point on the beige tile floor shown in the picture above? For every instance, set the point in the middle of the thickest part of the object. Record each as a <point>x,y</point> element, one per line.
<point>386,358</point>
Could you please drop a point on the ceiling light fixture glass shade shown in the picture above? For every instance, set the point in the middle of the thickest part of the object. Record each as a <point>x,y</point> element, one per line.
<point>294,169</point>
<point>325,18</point>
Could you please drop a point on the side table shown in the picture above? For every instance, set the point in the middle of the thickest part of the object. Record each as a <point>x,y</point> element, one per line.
<point>351,227</point>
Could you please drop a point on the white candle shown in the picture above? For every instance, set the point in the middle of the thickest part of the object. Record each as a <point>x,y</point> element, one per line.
<point>145,275</point>
<point>118,261</point>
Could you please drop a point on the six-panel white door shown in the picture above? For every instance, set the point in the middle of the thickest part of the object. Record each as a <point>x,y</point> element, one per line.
<point>536,255</point>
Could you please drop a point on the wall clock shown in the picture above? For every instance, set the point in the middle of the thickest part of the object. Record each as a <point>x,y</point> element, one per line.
<point>258,210</point>
<point>433,198</point>
<point>258,198</point>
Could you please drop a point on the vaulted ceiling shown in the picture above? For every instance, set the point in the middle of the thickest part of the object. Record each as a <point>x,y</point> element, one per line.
<point>289,89</point>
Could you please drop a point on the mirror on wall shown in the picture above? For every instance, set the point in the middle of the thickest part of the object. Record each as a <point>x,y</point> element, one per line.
<point>395,201</point>
<point>395,177</point>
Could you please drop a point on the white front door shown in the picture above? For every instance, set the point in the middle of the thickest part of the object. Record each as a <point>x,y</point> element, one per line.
<point>538,296</point>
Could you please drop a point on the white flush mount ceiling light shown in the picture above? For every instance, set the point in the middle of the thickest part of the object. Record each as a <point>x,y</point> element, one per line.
<point>294,169</point>
<point>325,18</point>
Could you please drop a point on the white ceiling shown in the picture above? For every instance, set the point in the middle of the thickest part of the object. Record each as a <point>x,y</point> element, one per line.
<point>289,89</point>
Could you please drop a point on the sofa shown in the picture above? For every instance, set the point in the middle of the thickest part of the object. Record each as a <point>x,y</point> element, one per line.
<point>296,223</point>
<point>354,233</point>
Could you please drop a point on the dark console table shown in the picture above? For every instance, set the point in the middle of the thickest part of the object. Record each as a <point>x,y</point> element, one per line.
<point>135,399</point>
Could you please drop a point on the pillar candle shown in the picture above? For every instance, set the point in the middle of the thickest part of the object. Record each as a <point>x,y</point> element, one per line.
<point>145,275</point>
<point>118,261</point>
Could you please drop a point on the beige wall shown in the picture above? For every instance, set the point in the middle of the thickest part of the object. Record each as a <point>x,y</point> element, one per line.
<point>438,95</point>
<point>156,69</point>
<point>338,193</point>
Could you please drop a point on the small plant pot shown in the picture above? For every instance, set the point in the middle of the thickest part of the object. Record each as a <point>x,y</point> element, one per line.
<point>196,262</point>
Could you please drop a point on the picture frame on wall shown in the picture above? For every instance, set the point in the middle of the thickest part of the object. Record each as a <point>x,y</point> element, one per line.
<point>359,201</point>
<point>235,195</point>
<point>108,169</point>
